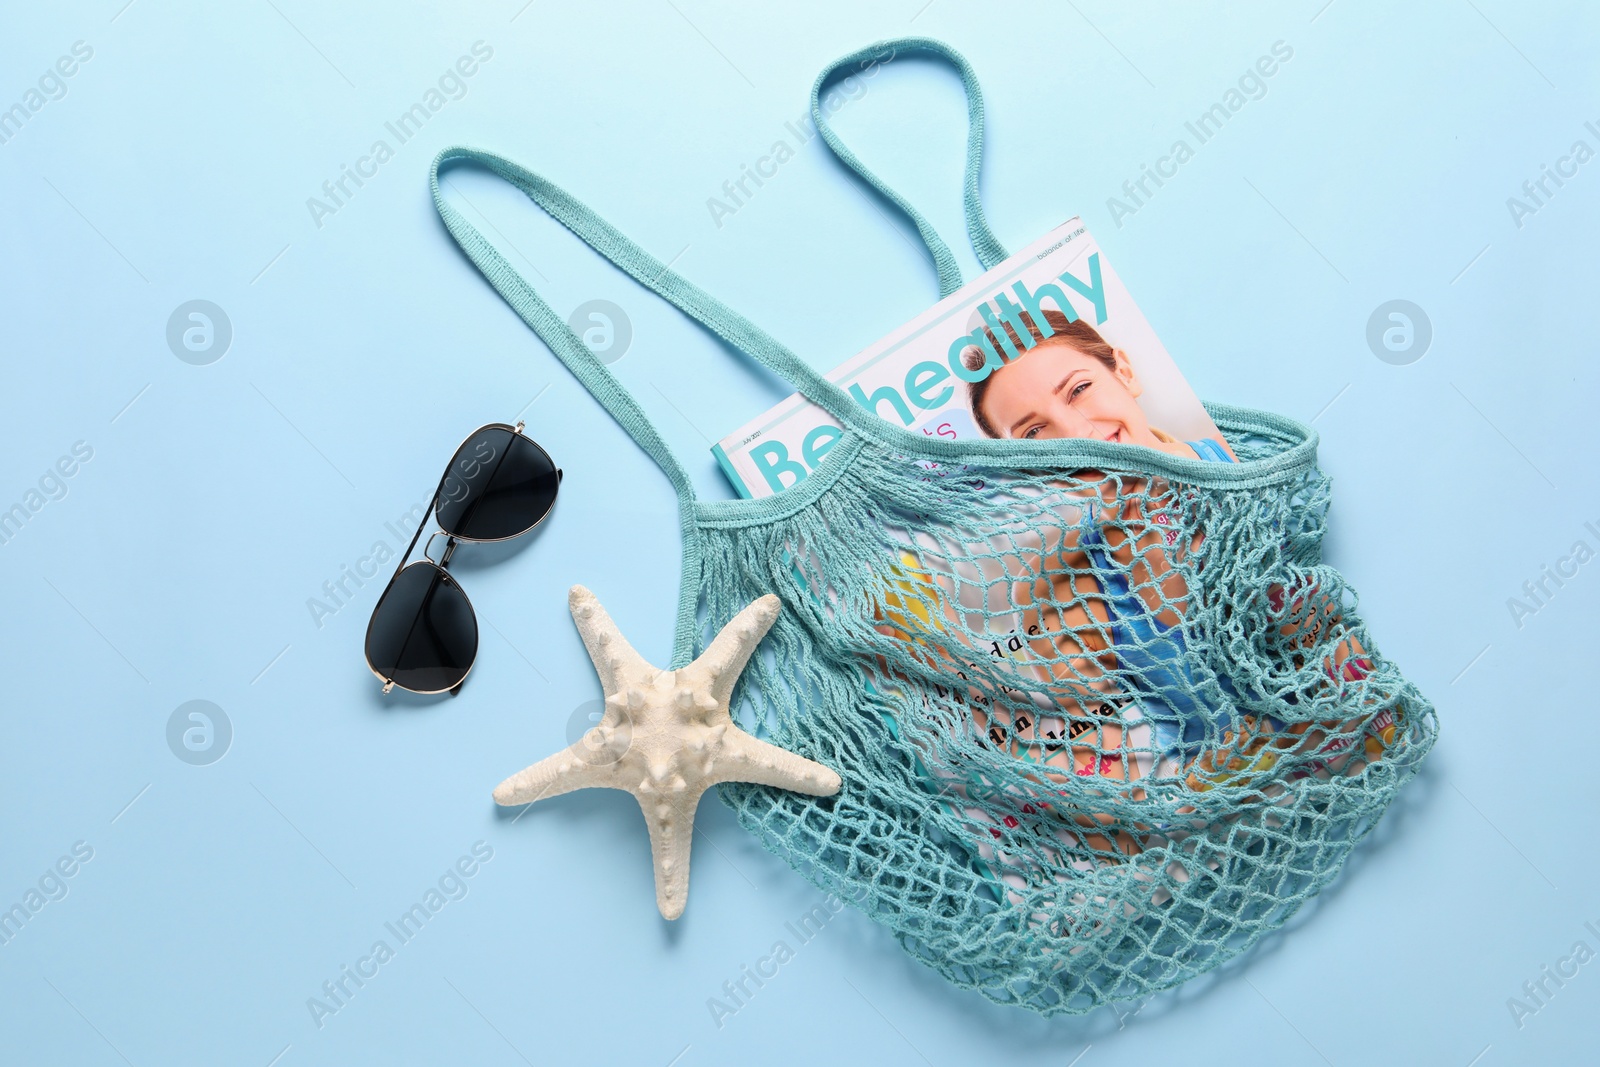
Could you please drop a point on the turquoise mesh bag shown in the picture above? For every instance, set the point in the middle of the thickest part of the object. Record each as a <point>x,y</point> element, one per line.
<point>1103,716</point>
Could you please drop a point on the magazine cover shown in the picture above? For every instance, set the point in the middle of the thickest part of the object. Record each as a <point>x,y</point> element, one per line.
<point>1047,344</point>
<point>1052,632</point>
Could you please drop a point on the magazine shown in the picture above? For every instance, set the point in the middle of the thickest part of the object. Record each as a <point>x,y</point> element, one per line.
<point>1037,641</point>
<point>926,374</point>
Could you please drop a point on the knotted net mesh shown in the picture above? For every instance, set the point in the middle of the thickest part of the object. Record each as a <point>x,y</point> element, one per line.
<point>1099,730</point>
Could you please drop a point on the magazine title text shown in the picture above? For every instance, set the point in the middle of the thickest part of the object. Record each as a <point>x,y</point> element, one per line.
<point>1003,337</point>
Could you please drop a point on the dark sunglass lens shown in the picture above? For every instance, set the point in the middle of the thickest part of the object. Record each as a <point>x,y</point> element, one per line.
<point>423,635</point>
<point>499,484</point>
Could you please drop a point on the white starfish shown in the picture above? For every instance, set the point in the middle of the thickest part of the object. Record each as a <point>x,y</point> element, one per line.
<point>667,737</point>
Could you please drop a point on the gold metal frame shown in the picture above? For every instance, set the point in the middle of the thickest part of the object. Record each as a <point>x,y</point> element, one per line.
<point>451,541</point>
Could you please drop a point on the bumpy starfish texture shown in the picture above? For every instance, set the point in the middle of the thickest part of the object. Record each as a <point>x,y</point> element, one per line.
<point>667,737</point>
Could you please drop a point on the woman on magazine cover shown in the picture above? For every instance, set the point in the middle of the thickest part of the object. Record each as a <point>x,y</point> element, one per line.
<point>1102,599</point>
<point>1117,599</point>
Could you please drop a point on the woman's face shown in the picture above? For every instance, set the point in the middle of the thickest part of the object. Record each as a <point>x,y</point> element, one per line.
<point>1054,390</point>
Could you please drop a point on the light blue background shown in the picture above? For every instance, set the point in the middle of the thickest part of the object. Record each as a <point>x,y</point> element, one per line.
<point>179,565</point>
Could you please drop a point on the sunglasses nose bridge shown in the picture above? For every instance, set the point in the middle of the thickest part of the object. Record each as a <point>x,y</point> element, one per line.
<point>449,547</point>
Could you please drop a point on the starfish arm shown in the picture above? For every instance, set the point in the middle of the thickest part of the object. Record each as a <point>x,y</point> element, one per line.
<point>670,819</point>
<point>615,661</point>
<point>724,659</point>
<point>563,772</point>
<point>745,759</point>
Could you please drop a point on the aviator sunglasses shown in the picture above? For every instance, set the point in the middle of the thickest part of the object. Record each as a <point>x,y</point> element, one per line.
<point>423,635</point>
